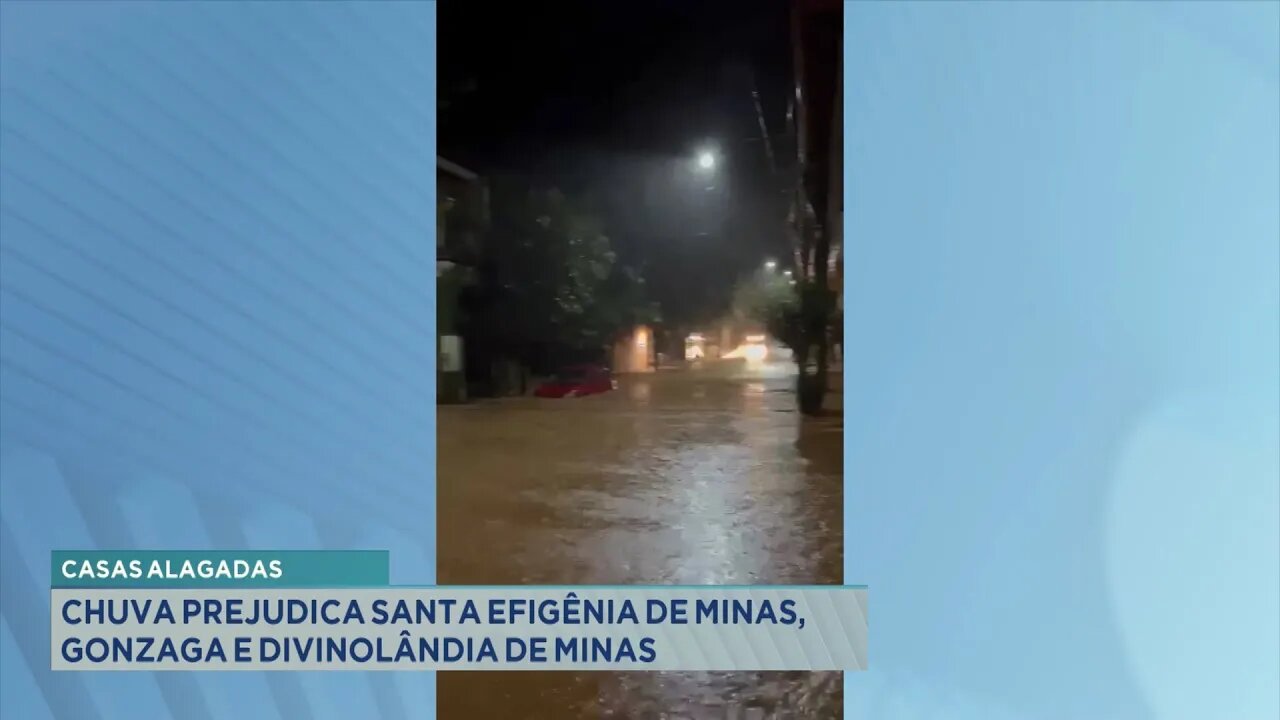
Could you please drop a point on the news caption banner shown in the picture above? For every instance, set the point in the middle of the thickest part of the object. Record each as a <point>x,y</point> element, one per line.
<point>336,610</point>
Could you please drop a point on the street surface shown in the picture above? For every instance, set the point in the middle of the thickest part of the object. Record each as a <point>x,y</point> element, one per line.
<point>678,477</point>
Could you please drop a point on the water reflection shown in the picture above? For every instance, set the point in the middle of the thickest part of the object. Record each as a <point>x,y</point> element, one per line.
<point>640,392</point>
<point>688,478</point>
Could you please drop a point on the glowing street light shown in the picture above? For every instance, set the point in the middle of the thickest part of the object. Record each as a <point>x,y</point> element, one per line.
<point>771,265</point>
<point>706,161</point>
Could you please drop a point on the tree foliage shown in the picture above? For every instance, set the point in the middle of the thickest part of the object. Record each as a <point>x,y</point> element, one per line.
<point>550,288</point>
<point>769,299</point>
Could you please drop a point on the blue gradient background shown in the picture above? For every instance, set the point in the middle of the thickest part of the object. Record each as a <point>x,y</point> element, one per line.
<point>216,315</point>
<point>1063,325</point>
<point>1062,313</point>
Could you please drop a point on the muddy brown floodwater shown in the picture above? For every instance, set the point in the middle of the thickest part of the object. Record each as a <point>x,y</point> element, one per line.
<point>679,477</point>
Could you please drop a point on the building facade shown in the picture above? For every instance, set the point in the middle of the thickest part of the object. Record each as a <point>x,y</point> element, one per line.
<point>635,352</point>
<point>462,216</point>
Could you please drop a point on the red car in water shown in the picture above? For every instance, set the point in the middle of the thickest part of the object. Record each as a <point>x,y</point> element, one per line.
<point>577,381</point>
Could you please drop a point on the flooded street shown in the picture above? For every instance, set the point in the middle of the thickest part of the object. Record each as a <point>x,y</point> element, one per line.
<point>678,477</point>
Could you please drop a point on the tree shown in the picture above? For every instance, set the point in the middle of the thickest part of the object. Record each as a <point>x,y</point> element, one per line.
<point>769,299</point>
<point>798,315</point>
<point>622,303</point>
<point>550,289</point>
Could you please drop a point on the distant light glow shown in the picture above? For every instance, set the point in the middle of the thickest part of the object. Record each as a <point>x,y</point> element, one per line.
<point>771,265</point>
<point>751,352</point>
<point>706,161</point>
<point>693,347</point>
<point>755,338</point>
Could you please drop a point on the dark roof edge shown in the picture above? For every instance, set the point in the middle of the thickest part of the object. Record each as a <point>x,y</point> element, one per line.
<point>455,169</point>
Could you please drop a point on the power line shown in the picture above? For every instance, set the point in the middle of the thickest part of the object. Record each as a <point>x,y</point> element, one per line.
<point>764,129</point>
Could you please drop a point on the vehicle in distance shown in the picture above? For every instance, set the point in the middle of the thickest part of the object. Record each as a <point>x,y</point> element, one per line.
<point>577,381</point>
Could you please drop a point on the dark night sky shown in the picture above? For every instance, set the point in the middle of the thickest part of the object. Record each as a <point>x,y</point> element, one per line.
<point>613,100</point>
